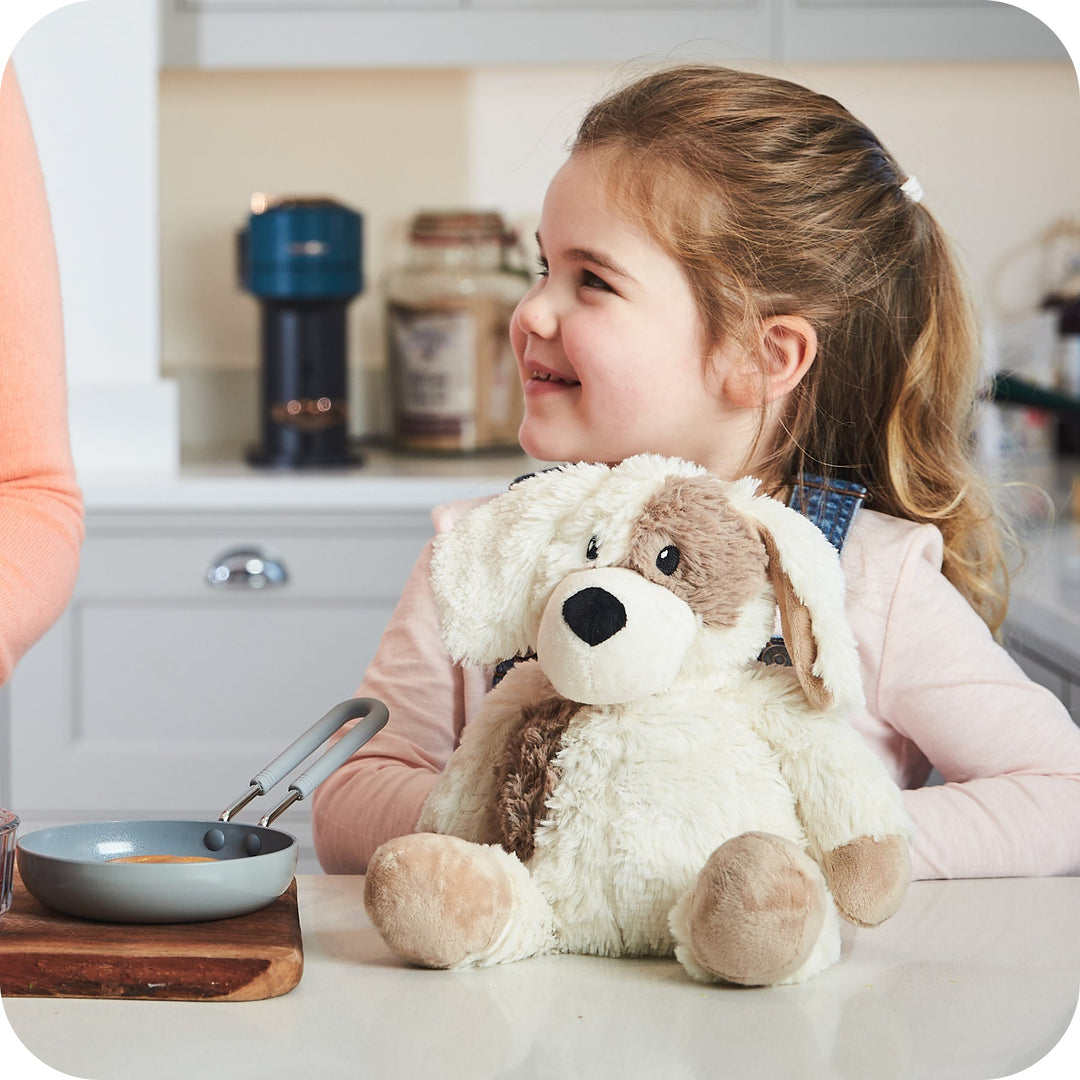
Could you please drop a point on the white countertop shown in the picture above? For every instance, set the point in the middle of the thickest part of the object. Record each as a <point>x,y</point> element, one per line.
<point>972,979</point>
<point>385,481</point>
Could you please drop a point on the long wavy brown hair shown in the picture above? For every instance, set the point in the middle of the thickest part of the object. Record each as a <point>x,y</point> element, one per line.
<point>777,201</point>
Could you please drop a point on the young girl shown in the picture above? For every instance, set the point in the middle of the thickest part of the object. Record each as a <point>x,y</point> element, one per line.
<point>734,271</point>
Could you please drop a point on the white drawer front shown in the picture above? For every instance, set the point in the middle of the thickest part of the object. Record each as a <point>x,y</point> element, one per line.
<point>156,690</point>
<point>363,563</point>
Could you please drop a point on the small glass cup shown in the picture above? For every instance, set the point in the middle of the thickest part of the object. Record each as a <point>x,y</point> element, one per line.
<point>9,825</point>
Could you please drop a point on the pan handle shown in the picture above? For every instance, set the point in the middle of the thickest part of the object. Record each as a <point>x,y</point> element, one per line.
<point>373,715</point>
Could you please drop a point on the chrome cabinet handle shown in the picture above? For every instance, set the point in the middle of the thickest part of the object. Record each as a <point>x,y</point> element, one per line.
<point>246,568</point>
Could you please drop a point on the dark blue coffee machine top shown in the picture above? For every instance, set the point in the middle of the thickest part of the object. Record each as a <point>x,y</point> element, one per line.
<point>299,249</point>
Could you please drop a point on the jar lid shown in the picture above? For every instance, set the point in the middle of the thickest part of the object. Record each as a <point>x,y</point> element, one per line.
<point>447,227</point>
<point>302,248</point>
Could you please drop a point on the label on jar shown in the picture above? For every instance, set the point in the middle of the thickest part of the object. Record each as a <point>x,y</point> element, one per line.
<point>454,377</point>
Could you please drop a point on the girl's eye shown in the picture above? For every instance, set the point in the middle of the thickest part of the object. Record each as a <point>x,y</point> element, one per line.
<point>541,266</point>
<point>590,281</point>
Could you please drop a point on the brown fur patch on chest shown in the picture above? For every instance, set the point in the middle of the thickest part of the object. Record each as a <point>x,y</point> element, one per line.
<point>722,561</point>
<point>524,774</point>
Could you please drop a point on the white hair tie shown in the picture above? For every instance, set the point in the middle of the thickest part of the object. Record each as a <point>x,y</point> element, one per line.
<point>912,189</point>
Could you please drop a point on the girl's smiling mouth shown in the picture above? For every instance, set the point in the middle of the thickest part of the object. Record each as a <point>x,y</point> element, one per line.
<point>547,376</point>
<point>541,379</point>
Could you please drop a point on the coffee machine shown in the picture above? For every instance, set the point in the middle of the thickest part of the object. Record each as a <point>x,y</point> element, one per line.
<point>301,258</point>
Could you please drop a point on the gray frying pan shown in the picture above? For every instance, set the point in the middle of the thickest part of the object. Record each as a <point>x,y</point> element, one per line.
<point>70,869</point>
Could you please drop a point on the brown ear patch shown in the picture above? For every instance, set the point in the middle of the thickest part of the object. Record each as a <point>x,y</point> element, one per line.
<point>798,629</point>
<point>721,561</point>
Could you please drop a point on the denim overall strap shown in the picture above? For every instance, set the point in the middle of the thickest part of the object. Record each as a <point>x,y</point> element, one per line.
<point>830,504</point>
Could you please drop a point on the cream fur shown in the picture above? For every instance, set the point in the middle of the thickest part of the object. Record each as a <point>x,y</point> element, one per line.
<point>685,741</point>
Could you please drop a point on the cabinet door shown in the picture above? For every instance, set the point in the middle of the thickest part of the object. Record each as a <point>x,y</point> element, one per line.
<point>159,693</point>
<point>912,30</point>
<point>409,33</point>
<point>1044,661</point>
<point>314,7</point>
<point>610,5</point>
<point>415,33</point>
<point>1044,675</point>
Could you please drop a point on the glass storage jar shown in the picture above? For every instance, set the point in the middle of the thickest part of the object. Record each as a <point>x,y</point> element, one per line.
<point>454,381</point>
<point>9,825</point>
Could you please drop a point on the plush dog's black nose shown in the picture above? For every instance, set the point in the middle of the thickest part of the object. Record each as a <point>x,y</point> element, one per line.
<point>594,615</point>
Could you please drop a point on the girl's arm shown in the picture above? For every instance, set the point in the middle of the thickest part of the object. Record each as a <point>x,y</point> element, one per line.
<point>379,792</point>
<point>1007,748</point>
<point>40,504</point>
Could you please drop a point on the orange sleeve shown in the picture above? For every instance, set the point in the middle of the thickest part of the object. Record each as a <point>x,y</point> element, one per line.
<point>41,524</point>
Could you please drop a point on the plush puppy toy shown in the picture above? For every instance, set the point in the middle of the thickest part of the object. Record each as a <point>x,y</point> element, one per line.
<point>646,786</point>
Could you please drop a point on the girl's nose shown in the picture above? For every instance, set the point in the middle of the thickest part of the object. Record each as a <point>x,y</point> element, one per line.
<point>534,313</point>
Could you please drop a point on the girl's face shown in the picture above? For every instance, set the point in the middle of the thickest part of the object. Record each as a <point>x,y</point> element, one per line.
<point>609,343</point>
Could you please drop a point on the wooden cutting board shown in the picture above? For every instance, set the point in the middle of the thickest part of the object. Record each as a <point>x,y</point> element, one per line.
<point>246,958</point>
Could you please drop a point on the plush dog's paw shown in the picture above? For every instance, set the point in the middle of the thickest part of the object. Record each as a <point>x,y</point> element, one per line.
<point>757,910</point>
<point>438,901</point>
<point>869,878</point>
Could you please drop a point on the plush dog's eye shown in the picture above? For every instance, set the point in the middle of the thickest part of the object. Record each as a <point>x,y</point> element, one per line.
<point>667,562</point>
<point>593,550</point>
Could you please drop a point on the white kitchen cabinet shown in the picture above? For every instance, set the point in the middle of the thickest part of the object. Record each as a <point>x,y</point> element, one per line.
<point>413,33</point>
<point>1043,628</point>
<point>1063,683</point>
<point>158,694</point>
<point>1045,645</point>
<point>911,30</point>
<point>428,33</point>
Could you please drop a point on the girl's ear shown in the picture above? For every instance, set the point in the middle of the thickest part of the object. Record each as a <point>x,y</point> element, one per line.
<point>787,347</point>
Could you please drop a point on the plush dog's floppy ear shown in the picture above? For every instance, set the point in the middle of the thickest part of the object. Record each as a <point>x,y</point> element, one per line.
<point>488,571</point>
<point>805,572</point>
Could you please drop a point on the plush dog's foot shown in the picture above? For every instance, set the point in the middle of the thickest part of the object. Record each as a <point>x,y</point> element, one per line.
<point>756,911</point>
<point>438,901</point>
<point>869,878</point>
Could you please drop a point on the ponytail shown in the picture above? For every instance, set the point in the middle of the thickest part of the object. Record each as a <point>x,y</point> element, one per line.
<point>930,434</point>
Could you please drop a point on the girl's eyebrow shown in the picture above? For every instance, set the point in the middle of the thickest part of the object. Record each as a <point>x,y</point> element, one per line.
<point>597,258</point>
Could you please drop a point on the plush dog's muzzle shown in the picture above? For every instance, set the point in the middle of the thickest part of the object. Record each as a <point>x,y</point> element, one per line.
<point>609,635</point>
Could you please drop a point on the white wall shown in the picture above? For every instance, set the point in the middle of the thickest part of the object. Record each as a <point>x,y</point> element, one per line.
<point>89,75</point>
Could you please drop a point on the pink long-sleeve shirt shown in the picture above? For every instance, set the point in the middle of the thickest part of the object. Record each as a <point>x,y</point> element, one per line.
<point>41,525</point>
<point>940,692</point>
